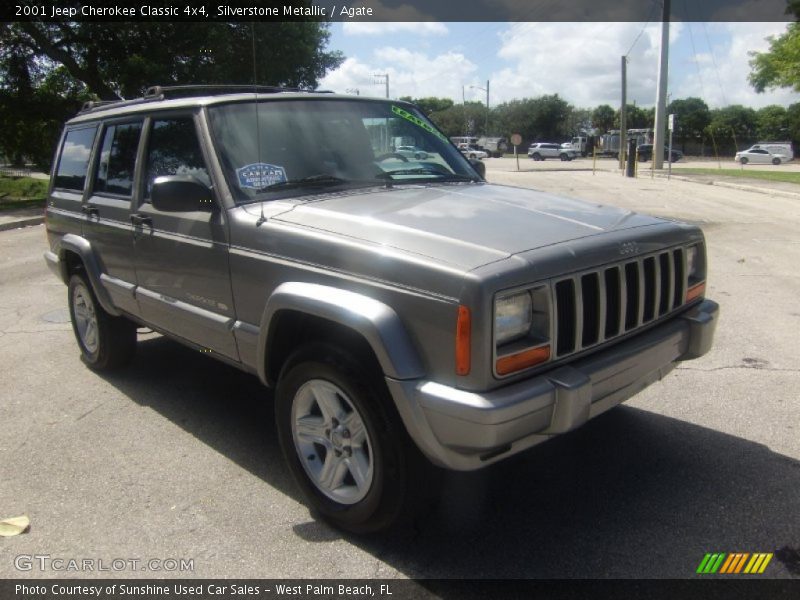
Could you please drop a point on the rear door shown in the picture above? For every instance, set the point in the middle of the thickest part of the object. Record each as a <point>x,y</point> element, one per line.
<point>108,205</point>
<point>65,201</point>
<point>182,257</point>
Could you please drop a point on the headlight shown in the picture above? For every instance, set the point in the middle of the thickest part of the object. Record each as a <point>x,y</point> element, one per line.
<point>692,261</point>
<point>512,317</point>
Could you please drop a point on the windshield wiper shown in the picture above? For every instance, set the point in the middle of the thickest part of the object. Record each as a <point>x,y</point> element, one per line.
<point>388,175</point>
<point>321,179</point>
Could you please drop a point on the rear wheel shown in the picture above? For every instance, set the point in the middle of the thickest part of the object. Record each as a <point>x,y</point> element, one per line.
<point>343,440</point>
<point>776,161</point>
<point>106,342</point>
<point>564,157</point>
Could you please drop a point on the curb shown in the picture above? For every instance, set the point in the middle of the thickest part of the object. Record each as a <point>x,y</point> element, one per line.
<point>737,186</point>
<point>760,190</point>
<point>19,223</point>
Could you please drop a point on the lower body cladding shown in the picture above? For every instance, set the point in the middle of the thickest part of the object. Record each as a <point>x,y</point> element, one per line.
<point>465,430</point>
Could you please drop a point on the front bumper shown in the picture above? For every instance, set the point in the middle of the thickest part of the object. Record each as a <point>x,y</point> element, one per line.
<point>465,430</point>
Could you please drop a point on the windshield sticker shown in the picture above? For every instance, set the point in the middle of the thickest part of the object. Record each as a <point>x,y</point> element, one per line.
<point>260,175</point>
<point>418,122</point>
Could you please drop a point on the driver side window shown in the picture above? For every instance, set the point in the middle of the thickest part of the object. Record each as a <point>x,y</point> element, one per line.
<point>173,149</point>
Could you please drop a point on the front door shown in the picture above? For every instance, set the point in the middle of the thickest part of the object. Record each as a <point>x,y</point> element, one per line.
<point>182,257</point>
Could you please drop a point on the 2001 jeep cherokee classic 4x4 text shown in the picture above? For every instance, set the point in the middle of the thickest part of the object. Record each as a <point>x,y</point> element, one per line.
<point>402,308</point>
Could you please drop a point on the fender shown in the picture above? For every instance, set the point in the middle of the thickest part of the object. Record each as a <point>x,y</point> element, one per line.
<point>82,247</point>
<point>376,322</point>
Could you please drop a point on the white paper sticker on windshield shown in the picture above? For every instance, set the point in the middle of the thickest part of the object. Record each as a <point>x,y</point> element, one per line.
<point>260,175</point>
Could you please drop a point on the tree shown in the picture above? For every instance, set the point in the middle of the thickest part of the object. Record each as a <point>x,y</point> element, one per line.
<point>430,105</point>
<point>691,118</point>
<point>780,66</point>
<point>119,60</point>
<point>579,120</point>
<point>603,118</point>
<point>772,123</point>
<point>537,119</point>
<point>793,123</point>
<point>732,127</point>
<point>635,117</point>
<point>461,119</point>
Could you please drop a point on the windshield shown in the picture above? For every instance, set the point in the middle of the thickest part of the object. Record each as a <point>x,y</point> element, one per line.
<point>276,148</point>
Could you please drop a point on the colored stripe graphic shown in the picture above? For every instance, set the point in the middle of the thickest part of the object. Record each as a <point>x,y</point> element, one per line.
<point>734,563</point>
<point>758,563</point>
<point>711,563</point>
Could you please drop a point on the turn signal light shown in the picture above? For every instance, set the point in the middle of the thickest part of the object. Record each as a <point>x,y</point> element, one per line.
<point>697,290</point>
<point>522,360</point>
<point>463,341</point>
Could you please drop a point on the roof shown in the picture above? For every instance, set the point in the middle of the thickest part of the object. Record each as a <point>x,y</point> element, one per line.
<point>177,97</point>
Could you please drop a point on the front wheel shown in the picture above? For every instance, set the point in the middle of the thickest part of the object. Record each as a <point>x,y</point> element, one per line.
<point>106,342</point>
<point>744,160</point>
<point>342,439</point>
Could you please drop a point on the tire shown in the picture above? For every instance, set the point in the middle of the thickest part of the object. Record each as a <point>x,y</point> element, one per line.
<point>106,342</point>
<point>564,157</point>
<point>537,156</point>
<point>360,482</point>
<point>744,160</point>
<point>776,161</point>
<point>472,156</point>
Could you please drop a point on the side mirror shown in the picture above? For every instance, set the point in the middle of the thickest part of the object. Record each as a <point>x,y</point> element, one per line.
<point>180,193</point>
<point>479,166</point>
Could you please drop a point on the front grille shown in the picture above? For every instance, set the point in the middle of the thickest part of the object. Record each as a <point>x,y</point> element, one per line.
<point>604,303</point>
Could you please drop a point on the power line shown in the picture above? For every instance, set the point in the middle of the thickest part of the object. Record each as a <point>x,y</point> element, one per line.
<point>649,18</point>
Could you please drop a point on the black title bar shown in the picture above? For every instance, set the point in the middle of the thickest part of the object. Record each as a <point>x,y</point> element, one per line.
<point>395,10</point>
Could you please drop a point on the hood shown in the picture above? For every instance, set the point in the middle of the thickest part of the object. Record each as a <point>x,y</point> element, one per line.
<point>466,226</point>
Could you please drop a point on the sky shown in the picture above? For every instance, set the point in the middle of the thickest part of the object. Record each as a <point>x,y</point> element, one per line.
<point>578,61</point>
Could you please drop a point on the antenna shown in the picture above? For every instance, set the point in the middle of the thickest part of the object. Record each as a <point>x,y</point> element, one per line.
<point>262,219</point>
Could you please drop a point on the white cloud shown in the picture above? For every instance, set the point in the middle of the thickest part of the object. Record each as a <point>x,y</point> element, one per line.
<point>366,28</point>
<point>411,73</point>
<point>723,70</point>
<point>579,61</point>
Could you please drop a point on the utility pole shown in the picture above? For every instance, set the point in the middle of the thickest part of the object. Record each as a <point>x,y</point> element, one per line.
<point>386,79</point>
<point>623,124</point>
<point>487,107</point>
<point>661,92</point>
<point>486,89</point>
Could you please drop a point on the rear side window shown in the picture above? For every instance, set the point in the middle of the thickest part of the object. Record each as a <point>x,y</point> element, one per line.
<point>173,149</point>
<point>118,159</point>
<point>74,159</point>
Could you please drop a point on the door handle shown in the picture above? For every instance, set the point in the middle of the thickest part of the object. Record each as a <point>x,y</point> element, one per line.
<point>90,211</point>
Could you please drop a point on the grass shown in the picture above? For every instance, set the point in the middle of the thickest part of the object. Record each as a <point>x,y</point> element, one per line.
<point>746,173</point>
<point>22,192</point>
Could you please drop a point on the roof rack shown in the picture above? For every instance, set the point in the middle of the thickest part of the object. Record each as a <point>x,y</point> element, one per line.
<point>183,91</point>
<point>159,92</point>
<point>93,105</point>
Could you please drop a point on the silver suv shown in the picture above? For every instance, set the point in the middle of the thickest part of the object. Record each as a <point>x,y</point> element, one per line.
<point>543,150</point>
<point>406,312</point>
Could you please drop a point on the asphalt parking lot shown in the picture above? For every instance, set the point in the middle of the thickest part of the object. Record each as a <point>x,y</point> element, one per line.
<point>176,456</point>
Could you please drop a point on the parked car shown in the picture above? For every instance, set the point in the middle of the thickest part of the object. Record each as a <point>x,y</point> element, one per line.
<point>405,315</point>
<point>780,148</point>
<point>471,151</point>
<point>412,152</point>
<point>760,156</point>
<point>645,153</point>
<point>544,150</point>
